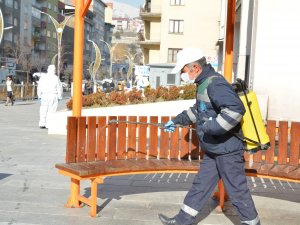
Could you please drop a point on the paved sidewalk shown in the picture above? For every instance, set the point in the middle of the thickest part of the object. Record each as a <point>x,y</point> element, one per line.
<point>31,191</point>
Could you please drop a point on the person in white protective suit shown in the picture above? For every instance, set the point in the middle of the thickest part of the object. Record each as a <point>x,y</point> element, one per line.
<point>49,92</point>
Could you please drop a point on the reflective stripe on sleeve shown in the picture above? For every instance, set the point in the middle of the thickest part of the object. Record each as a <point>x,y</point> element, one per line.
<point>251,222</point>
<point>223,123</point>
<point>234,115</point>
<point>189,210</point>
<point>191,115</point>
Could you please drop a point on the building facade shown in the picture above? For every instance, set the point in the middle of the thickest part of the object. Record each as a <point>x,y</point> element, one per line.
<point>266,54</point>
<point>166,31</point>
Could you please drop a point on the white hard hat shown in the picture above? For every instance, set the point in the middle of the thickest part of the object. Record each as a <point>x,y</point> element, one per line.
<point>186,56</point>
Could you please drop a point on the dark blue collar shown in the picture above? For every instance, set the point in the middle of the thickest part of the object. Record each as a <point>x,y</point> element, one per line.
<point>207,71</point>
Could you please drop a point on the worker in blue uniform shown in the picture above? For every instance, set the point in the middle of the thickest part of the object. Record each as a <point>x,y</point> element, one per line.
<point>217,115</point>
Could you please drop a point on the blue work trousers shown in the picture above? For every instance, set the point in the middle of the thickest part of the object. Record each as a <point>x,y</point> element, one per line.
<point>229,167</point>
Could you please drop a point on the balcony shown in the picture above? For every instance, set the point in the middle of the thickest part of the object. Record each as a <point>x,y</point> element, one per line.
<point>36,36</point>
<point>141,40</point>
<point>44,9</point>
<point>60,17</point>
<point>150,13</point>
<point>43,39</point>
<point>60,5</point>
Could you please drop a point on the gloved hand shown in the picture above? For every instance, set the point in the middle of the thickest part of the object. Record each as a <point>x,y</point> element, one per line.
<point>169,126</point>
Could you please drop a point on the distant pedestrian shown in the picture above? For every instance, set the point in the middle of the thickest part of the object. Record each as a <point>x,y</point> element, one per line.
<point>88,87</point>
<point>9,88</point>
<point>49,92</point>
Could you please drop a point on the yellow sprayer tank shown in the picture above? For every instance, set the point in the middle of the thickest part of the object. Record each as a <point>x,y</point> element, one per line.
<point>253,126</point>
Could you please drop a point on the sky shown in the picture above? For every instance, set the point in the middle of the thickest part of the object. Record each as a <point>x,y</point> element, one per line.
<point>135,3</point>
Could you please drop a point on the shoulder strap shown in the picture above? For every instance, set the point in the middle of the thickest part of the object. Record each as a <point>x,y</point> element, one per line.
<point>202,87</point>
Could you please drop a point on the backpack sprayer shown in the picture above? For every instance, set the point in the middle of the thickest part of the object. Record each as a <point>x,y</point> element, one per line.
<point>253,127</point>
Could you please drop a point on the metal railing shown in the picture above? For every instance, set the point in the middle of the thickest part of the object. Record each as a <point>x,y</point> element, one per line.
<point>25,91</point>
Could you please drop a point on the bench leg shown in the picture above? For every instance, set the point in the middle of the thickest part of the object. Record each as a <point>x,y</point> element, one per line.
<point>221,196</point>
<point>94,191</point>
<point>73,201</point>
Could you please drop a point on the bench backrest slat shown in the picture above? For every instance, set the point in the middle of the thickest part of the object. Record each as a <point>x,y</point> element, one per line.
<point>174,144</point>
<point>71,140</point>
<point>101,138</point>
<point>112,137</point>
<point>164,140</point>
<point>184,146</point>
<point>131,149</point>
<point>91,141</point>
<point>282,142</point>
<point>153,146</point>
<point>122,126</point>
<point>295,144</point>
<point>142,138</point>
<point>271,131</point>
<point>195,150</point>
<point>81,139</point>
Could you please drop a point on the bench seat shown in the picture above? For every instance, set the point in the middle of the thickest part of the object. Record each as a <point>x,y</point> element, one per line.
<point>97,148</point>
<point>111,167</point>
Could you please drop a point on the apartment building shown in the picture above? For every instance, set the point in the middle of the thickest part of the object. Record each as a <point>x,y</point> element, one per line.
<point>95,29</point>
<point>32,31</point>
<point>34,34</point>
<point>11,16</point>
<point>175,24</point>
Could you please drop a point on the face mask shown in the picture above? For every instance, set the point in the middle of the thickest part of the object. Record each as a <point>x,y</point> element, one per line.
<point>186,79</point>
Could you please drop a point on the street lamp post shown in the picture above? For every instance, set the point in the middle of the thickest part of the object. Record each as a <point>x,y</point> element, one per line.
<point>111,49</point>
<point>95,65</point>
<point>2,28</point>
<point>59,27</point>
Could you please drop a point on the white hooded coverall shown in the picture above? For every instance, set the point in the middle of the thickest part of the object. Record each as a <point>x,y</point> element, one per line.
<point>49,91</point>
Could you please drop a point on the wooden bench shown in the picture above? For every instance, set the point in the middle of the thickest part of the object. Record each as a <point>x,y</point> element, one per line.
<point>96,149</point>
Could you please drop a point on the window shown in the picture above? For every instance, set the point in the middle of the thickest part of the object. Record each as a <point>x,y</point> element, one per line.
<point>9,3</point>
<point>16,5</point>
<point>172,54</point>
<point>25,25</point>
<point>15,22</point>
<point>48,33</point>
<point>36,13</point>
<point>171,78</point>
<point>54,35</point>
<point>177,2</point>
<point>176,26</point>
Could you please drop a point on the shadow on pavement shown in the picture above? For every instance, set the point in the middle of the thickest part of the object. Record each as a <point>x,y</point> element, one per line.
<point>4,175</point>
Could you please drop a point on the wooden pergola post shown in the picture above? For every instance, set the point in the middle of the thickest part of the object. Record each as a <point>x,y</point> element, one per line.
<point>228,64</point>
<point>81,7</point>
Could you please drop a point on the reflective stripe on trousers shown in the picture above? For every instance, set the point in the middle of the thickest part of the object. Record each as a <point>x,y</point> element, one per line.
<point>256,221</point>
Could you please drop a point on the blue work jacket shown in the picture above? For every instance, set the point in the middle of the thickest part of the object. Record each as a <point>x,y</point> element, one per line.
<point>217,114</point>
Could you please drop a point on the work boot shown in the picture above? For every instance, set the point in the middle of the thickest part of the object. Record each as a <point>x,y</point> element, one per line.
<point>167,221</point>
